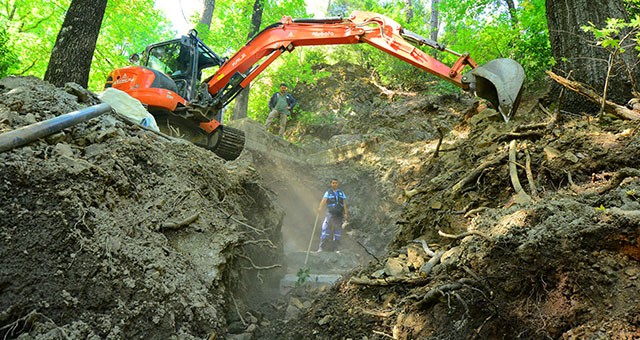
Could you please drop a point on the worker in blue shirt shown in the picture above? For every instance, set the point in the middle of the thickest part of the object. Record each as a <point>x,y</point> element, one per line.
<point>336,214</point>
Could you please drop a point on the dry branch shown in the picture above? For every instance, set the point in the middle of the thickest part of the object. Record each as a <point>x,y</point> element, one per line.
<point>609,106</point>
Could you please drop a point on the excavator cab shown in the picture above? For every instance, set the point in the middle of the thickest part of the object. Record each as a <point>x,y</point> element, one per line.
<point>168,82</point>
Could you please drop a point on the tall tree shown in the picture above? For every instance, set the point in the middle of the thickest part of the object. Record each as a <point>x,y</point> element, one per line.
<point>408,10</point>
<point>512,12</point>
<point>242,101</point>
<point>207,13</point>
<point>573,50</point>
<point>76,43</point>
<point>434,21</point>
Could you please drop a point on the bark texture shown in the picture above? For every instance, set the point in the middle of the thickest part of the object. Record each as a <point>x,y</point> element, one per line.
<point>434,21</point>
<point>242,100</point>
<point>207,12</point>
<point>76,42</point>
<point>575,50</point>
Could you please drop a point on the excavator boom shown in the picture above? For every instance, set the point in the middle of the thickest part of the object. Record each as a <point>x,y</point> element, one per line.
<point>168,79</point>
<point>500,82</point>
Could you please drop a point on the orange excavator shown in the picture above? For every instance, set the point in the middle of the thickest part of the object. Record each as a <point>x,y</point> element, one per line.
<point>168,78</point>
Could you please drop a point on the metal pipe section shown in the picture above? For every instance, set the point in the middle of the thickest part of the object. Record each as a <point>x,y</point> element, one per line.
<point>30,133</point>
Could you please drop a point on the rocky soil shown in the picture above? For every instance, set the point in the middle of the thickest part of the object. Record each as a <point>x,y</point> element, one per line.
<point>110,231</point>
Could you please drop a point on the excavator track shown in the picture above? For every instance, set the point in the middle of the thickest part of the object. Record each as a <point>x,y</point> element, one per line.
<point>227,142</point>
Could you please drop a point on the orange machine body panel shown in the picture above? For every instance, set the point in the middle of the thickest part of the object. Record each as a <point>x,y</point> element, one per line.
<point>138,82</point>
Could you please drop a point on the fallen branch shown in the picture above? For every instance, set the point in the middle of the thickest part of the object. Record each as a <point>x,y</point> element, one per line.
<point>609,106</point>
<point>463,235</point>
<point>381,314</point>
<point>513,174</point>
<point>440,138</point>
<point>475,173</point>
<point>180,224</point>
<point>383,334</point>
<point>618,177</point>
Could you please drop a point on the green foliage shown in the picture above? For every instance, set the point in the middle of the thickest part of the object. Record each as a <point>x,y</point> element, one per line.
<point>8,57</point>
<point>302,275</point>
<point>486,30</point>
<point>615,32</point>
<point>128,26</point>
<point>32,28</point>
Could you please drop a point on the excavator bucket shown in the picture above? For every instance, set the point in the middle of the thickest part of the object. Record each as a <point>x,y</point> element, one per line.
<point>500,82</point>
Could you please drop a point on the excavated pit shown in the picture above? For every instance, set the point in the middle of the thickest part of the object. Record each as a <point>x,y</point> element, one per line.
<point>441,247</point>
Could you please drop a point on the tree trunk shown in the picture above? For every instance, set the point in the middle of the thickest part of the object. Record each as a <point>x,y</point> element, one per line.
<point>408,10</point>
<point>76,42</point>
<point>434,21</point>
<point>512,12</point>
<point>207,12</point>
<point>575,50</point>
<point>242,100</point>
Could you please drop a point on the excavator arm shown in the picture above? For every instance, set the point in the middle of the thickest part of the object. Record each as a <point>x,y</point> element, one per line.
<point>499,81</point>
<point>168,79</point>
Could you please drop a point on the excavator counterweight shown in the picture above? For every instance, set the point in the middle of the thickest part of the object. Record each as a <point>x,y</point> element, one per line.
<point>168,78</point>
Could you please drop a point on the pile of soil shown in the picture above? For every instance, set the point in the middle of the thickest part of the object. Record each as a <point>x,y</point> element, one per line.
<point>110,231</point>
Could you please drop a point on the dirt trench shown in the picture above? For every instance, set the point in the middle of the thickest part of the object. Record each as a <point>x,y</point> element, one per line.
<point>443,245</point>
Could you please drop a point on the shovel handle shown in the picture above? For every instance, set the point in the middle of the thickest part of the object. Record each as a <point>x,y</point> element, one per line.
<point>315,224</point>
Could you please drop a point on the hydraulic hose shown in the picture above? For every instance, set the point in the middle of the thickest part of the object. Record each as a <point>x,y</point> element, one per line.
<point>30,133</point>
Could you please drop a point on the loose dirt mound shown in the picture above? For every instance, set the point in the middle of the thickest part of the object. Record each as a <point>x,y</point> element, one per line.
<point>110,231</point>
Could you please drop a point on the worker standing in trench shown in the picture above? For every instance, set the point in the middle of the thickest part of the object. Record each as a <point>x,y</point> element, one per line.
<point>337,214</point>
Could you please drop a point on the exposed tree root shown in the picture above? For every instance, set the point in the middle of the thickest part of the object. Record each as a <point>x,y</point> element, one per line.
<point>532,135</point>
<point>390,281</point>
<point>180,224</point>
<point>254,266</point>
<point>530,178</point>
<point>521,195</point>
<point>618,177</point>
<point>432,296</point>
<point>465,234</point>
<point>434,261</point>
<point>475,173</point>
